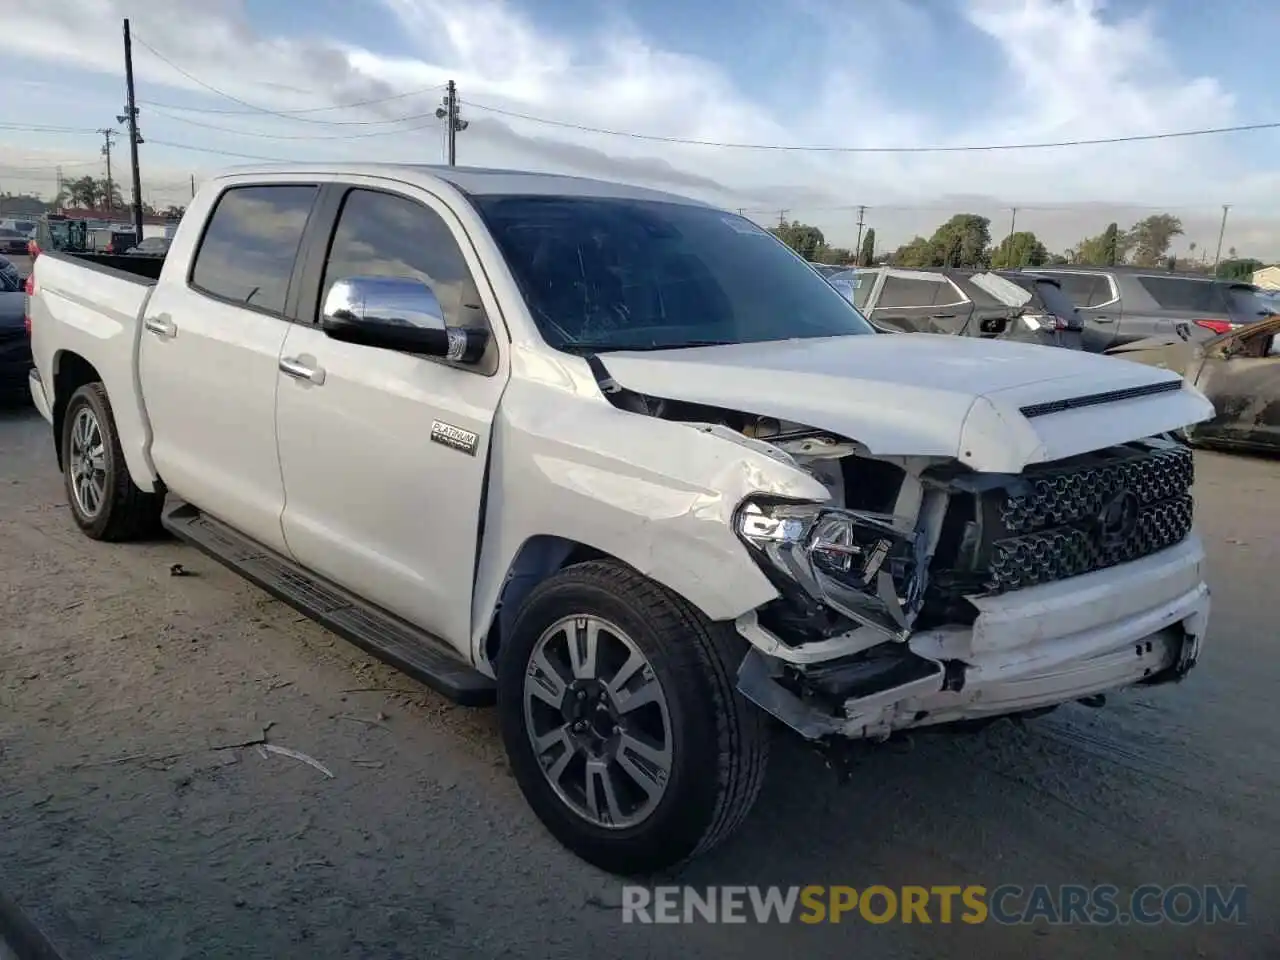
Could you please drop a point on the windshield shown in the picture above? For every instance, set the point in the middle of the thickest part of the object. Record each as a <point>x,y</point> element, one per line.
<point>618,274</point>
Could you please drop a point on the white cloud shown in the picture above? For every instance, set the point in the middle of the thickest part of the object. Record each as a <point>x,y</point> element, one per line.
<point>1066,68</point>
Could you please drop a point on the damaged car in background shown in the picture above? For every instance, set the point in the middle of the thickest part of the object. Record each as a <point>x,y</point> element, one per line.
<point>1239,373</point>
<point>625,465</point>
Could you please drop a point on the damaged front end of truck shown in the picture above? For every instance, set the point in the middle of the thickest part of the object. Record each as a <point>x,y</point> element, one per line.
<point>926,593</point>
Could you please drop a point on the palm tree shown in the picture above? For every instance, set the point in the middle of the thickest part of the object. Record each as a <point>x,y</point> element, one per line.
<point>1231,252</point>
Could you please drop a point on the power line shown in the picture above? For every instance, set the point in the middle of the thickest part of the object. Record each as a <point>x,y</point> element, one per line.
<point>968,148</point>
<point>308,136</point>
<point>256,108</point>
<point>293,114</point>
<point>47,128</point>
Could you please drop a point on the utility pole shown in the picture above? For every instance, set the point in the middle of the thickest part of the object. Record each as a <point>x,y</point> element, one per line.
<point>857,250</point>
<point>782,218</point>
<point>453,123</point>
<point>108,142</point>
<point>1013,222</point>
<point>193,186</point>
<point>1221,232</point>
<point>131,118</point>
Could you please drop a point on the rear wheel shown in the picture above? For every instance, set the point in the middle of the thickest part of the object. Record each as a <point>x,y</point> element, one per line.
<point>622,720</point>
<point>106,503</point>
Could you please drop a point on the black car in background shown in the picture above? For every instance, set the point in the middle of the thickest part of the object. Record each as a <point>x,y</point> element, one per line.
<point>1121,305</point>
<point>15,344</point>
<point>12,241</point>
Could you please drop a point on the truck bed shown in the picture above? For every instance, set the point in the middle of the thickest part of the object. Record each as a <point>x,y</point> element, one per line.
<point>136,267</point>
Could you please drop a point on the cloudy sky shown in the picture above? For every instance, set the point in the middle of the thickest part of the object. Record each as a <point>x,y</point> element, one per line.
<point>227,82</point>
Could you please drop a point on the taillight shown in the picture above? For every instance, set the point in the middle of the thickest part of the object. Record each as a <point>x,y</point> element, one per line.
<point>26,307</point>
<point>1217,326</point>
<point>33,249</point>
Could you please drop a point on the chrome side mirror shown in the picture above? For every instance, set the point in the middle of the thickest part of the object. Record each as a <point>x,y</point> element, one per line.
<point>397,313</point>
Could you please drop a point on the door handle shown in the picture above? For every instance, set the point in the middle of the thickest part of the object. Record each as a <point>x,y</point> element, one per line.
<point>161,326</point>
<point>293,367</point>
<point>1101,319</point>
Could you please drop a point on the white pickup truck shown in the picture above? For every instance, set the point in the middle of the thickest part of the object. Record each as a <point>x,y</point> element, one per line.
<point>625,465</point>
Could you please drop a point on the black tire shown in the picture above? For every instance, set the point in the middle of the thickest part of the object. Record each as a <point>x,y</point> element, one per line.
<point>126,512</point>
<point>720,740</point>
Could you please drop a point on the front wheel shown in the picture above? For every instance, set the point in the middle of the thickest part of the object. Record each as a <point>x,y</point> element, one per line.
<point>622,720</point>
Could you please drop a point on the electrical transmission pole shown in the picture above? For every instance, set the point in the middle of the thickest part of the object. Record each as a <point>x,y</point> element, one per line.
<point>857,250</point>
<point>131,118</point>
<point>1221,232</point>
<point>1013,222</point>
<point>782,218</point>
<point>453,123</point>
<point>108,142</point>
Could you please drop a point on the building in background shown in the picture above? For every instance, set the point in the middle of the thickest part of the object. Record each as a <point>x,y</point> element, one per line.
<point>1268,277</point>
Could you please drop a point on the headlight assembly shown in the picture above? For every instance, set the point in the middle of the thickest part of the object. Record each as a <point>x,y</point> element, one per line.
<point>864,565</point>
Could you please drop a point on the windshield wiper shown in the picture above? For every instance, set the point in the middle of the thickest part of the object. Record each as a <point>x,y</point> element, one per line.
<point>598,347</point>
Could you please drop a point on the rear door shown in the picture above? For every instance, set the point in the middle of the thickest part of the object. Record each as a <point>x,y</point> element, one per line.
<point>1098,301</point>
<point>377,500</point>
<point>911,302</point>
<point>209,353</point>
<point>1192,307</point>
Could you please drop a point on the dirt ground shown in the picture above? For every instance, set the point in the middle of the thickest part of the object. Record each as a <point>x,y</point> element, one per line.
<point>142,816</point>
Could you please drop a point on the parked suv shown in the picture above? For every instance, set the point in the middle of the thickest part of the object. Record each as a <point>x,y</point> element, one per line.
<point>972,303</point>
<point>1121,305</point>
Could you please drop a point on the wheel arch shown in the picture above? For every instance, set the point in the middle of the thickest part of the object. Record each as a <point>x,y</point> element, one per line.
<point>71,371</point>
<point>538,558</point>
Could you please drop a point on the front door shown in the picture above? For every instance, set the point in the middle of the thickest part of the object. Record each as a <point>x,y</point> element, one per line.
<point>376,499</point>
<point>209,354</point>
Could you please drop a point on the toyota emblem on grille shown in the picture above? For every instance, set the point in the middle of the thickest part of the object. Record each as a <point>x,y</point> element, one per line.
<point>1118,519</point>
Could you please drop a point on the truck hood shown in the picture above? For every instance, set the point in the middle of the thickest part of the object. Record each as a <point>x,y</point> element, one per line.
<point>994,405</point>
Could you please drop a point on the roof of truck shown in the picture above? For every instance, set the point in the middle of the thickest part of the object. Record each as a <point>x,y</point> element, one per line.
<point>478,181</point>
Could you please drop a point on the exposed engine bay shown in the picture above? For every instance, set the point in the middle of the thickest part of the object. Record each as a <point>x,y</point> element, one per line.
<point>905,547</point>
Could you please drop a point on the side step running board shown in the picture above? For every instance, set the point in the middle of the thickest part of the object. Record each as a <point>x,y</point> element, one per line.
<point>381,634</point>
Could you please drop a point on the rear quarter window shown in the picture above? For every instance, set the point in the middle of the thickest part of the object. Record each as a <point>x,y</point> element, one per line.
<point>249,246</point>
<point>1185,293</point>
<point>913,292</point>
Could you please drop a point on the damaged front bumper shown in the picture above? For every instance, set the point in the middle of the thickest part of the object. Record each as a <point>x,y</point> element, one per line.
<point>1139,623</point>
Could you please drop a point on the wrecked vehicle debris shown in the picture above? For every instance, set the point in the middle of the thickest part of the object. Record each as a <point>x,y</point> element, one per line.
<point>1239,372</point>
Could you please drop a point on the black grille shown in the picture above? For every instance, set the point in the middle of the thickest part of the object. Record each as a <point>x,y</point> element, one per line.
<point>1058,521</point>
<point>1063,521</point>
<point>1067,551</point>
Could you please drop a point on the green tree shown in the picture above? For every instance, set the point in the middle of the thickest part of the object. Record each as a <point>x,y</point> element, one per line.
<point>803,238</point>
<point>834,255</point>
<point>917,253</point>
<point>1021,249</point>
<point>1238,269</point>
<point>1150,238</point>
<point>868,251</point>
<point>90,193</point>
<point>961,242</point>
<point>1107,249</point>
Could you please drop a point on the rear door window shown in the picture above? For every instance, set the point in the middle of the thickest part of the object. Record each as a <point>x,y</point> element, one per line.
<point>1185,293</point>
<point>917,292</point>
<point>249,247</point>
<point>1085,289</point>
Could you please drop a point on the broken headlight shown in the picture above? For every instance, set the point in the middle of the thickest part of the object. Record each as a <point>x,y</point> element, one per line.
<point>866,566</point>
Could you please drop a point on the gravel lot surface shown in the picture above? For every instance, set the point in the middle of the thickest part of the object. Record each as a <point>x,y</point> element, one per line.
<point>139,817</point>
